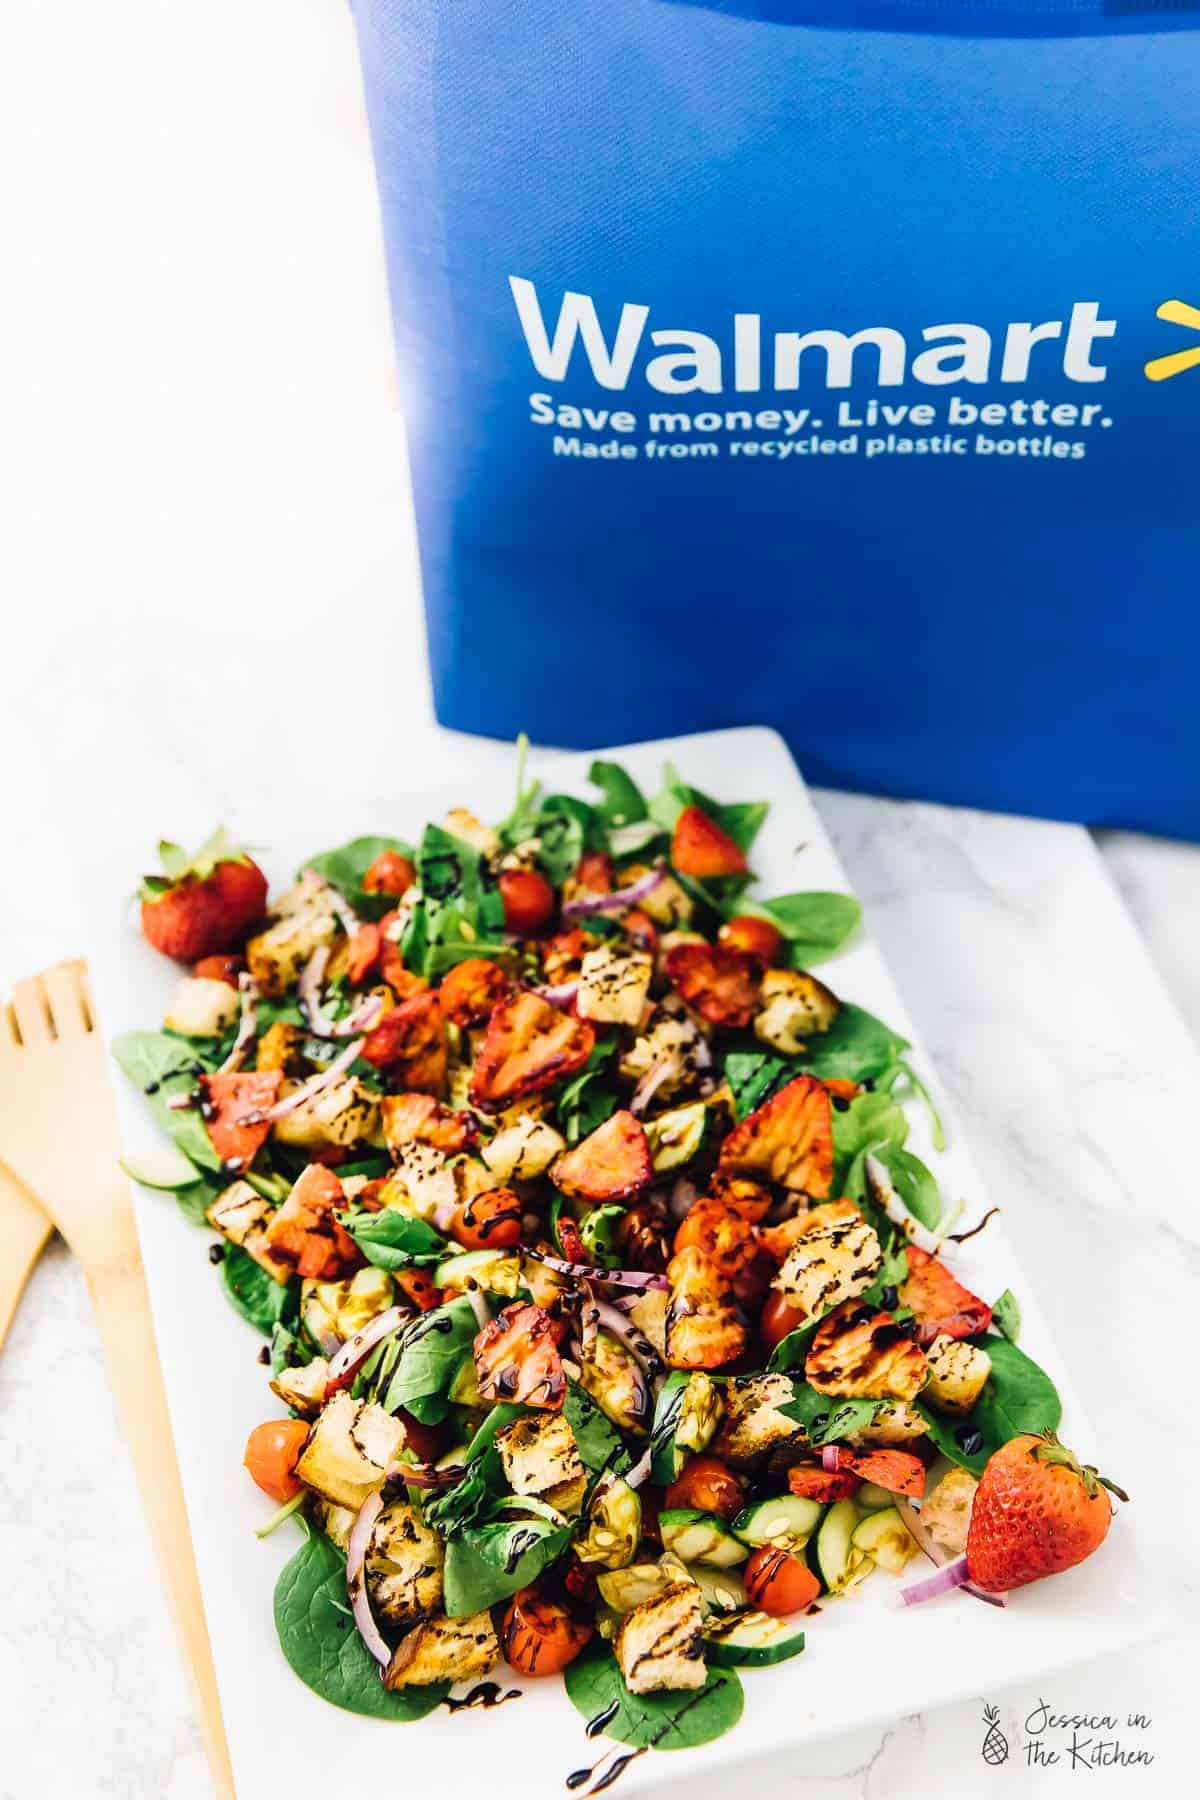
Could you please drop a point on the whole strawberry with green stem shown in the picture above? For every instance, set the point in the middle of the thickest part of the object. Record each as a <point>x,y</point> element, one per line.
<point>1037,1511</point>
<point>202,903</point>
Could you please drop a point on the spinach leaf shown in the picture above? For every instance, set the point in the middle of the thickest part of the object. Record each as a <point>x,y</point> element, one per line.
<point>519,823</point>
<point>470,1501</point>
<point>825,1419</point>
<point>740,821</point>
<point>598,1233</point>
<point>488,1563</point>
<point>590,1098</point>
<point>289,1350</point>
<point>505,1412</point>
<point>460,914</point>
<point>345,867</point>
<point>671,1720</point>
<point>392,1239</point>
<point>753,1076</point>
<point>1019,1397</point>
<point>816,926</point>
<point>430,1352</point>
<point>857,1047</point>
<point>597,1438</point>
<point>914,1182</point>
<point>565,829</point>
<point>164,1067</point>
<point>1006,1315</point>
<point>872,1121</point>
<point>261,1300</point>
<point>623,802</point>
<point>318,1637</point>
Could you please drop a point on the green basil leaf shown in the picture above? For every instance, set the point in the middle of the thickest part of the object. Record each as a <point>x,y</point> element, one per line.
<point>597,1438</point>
<point>487,1563</point>
<point>319,1639</point>
<point>1006,1315</point>
<point>261,1300</point>
<point>392,1239</point>
<point>816,925</point>
<point>623,802</point>
<point>430,1352</point>
<point>345,867</point>
<point>671,1720</point>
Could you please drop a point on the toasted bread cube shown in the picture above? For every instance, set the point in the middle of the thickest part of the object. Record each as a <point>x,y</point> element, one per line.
<point>667,903</point>
<point>649,1314</point>
<point>523,1150</point>
<point>337,1309</point>
<point>444,1650</point>
<point>753,1424</point>
<point>242,1216</point>
<point>794,1007</point>
<point>303,1388</point>
<point>895,1423</point>
<point>836,1258</point>
<point>404,1566</point>
<point>659,1644</point>
<point>425,1177</point>
<point>463,824</point>
<point>864,1354</point>
<point>957,1374</point>
<point>674,1037</point>
<point>349,1450</point>
<point>344,1115</point>
<point>337,1522</point>
<point>276,956</point>
<point>946,1511</point>
<point>540,1457</point>
<point>614,981</point>
<point>202,1008</point>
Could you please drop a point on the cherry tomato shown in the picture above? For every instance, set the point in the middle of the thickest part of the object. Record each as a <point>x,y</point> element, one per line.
<point>641,929</point>
<point>758,936</point>
<point>390,873</point>
<point>418,1287</point>
<point>425,1441</point>
<point>528,900</point>
<point>541,1636</point>
<point>272,1451</point>
<point>777,1318</point>
<point>709,1485</point>
<point>595,873</point>
<point>490,1221</point>
<point>779,1583</point>
<point>219,968</point>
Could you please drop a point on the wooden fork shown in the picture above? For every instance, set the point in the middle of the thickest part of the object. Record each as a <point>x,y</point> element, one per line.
<point>24,1228</point>
<point>58,1134</point>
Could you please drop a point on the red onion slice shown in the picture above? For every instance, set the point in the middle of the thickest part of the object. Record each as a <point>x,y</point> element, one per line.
<point>479,1306</point>
<point>561,994</point>
<point>247,1025</point>
<point>634,1477</point>
<point>312,1006</point>
<point>910,1518</point>
<point>829,1459</point>
<point>950,1575</point>
<point>630,1278</point>
<point>356,1580</point>
<point>357,1348</point>
<point>308,1090</point>
<point>616,901</point>
<point>651,1081</point>
<point>347,918</point>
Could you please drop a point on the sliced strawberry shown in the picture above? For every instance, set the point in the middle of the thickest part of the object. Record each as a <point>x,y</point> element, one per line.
<point>219,968</point>
<point>788,1139</point>
<point>812,1482</point>
<point>410,1043</point>
<point>841,1089</point>
<point>594,874</point>
<point>899,1471</point>
<point>419,1118</point>
<point>563,954</point>
<point>516,1358</point>
<point>227,1100</point>
<point>365,948</point>
<point>529,1046</point>
<point>941,1303</point>
<point>612,1163</point>
<point>729,1241</point>
<point>305,1232</point>
<point>721,984</point>
<point>701,849</point>
<point>472,990</point>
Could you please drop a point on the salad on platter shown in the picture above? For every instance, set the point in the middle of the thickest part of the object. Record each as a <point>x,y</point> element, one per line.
<point>612,1323</point>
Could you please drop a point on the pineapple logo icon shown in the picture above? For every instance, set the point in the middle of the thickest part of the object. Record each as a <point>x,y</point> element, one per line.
<point>995,1745</point>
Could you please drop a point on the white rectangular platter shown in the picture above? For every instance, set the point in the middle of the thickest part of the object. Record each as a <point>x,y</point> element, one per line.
<point>867,1657</point>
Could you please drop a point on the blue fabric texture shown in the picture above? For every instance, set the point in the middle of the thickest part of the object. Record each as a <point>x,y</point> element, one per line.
<point>832,367</point>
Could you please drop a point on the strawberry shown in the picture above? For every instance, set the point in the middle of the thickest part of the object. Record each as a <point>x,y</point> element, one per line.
<point>1037,1511</point>
<point>232,1105</point>
<point>701,849</point>
<point>611,1164</point>
<point>202,904</point>
<point>943,1307</point>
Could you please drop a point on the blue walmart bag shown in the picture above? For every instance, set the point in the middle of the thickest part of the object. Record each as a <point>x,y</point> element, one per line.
<point>823,365</point>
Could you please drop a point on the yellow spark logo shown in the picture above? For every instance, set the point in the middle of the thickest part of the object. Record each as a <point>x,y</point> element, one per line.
<point>1161,368</point>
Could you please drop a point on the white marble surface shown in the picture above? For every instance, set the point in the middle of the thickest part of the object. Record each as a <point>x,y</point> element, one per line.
<point>208,489</point>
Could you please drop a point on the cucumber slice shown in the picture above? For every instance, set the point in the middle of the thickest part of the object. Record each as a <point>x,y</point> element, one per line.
<point>721,1590</point>
<point>494,1270</point>
<point>841,1563</point>
<point>623,1589</point>
<point>870,1498</point>
<point>687,1415</point>
<point>752,1640</point>
<point>164,1168</point>
<point>883,1537</point>
<point>700,1537</point>
<point>675,1137</point>
<point>785,1523</point>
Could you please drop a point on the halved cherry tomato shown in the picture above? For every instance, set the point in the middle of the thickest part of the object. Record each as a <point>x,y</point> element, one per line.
<point>700,848</point>
<point>490,1221</point>
<point>779,1583</point>
<point>418,1287</point>
<point>425,1441</point>
<point>777,1318</point>
<point>390,873</point>
<point>641,929</point>
<point>272,1452</point>
<point>758,936</point>
<point>709,1485</point>
<point>540,1636</point>
<point>472,990</point>
<point>812,1482</point>
<point>219,968</point>
<point>528,900</point>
